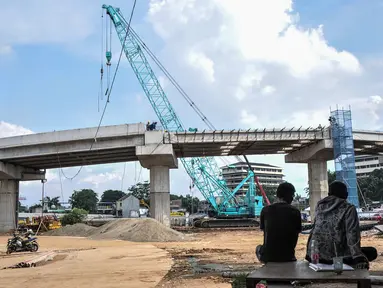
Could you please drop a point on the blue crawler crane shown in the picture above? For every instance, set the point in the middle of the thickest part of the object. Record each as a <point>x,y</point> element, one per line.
<point>204,171</point>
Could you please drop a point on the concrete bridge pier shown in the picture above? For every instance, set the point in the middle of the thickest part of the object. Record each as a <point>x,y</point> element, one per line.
<point>318,182</point>
<point>9,200</point>
<point>316,156</point>
<point>10,177</point>
<point>160,194</point>
<point>159,159</point>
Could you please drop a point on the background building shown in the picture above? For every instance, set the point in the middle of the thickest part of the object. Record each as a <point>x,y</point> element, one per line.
<point>106,207</point>
<point>268,175</point>
<point>128,207</point>
<point>365,164</point>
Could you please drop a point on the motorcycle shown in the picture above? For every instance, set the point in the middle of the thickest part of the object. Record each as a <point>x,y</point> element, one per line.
<point>18,244</point>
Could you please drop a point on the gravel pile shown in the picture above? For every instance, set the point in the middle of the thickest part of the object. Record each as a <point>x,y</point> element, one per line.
<point>138,230</point>
<point>79,230</point>
<point>133,229</point>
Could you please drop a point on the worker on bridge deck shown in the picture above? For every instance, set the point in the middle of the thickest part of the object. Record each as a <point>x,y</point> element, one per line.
<point>151,126</point>
<point>281,224</point>
<point>336,230</point>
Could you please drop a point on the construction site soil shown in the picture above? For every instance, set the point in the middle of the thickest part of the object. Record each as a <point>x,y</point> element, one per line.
<point>86,262</point>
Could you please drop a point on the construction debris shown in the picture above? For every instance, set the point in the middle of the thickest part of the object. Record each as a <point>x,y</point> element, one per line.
<point>370,233</point>
<point>379,228</point>
<point>21,265</point>
<point>34,262</point>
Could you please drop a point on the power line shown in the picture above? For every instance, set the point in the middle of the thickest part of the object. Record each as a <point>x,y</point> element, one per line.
<point>108,96</point>
<point>178,87</point>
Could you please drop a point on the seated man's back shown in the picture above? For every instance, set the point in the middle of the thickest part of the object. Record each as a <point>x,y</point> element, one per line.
<point>281,224</point>
<point>336,229</point>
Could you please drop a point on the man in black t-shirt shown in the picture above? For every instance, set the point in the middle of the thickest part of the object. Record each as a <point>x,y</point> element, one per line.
<point>281,224</point>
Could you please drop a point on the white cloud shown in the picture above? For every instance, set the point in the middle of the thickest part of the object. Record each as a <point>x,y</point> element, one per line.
<point>256,49</point>
<point>101,178</point>
<point>248,119</point>
<point>202,62</point>
<point>376,99</point>
<point>266,32</point>
<point>268,90</point>
<point>9,130</point>
<point>269,71</point>
<point>248,65</point>
<point>97,177</point>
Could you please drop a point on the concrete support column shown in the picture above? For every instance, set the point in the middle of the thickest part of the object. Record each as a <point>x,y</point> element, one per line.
<point>158,158</point>
<point>160,194</point>
<point>318,183</point>
<point>9,200</point>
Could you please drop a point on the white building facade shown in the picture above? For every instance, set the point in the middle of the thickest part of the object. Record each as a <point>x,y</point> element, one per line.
<point>128,207</point>
<point>268,175</point>
<point>365,164</point>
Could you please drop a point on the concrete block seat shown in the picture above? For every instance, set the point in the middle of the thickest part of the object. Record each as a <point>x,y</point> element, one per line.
<point>285,273</point>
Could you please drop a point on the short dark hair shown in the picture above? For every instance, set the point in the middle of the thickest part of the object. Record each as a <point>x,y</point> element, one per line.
<point>285,190</point>
<point>339,189</point>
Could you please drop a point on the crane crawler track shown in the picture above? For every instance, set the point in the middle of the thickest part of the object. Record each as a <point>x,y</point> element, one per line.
<point>225,223</point>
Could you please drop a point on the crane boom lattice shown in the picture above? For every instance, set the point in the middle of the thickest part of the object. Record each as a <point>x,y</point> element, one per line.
<point>204,171</point>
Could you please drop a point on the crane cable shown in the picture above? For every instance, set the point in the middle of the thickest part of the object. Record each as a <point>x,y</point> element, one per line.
<point>108,96</point>
<point>173,81</point>
<point>100,94</point>
<point>177,86</point>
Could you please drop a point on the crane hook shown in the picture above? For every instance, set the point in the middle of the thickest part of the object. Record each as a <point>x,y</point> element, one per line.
<point>108,55</point>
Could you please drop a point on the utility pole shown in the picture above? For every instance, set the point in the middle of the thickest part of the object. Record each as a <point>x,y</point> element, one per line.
<point>191,193</point>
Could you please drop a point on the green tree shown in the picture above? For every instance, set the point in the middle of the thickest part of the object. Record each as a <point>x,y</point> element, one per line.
<point>372,186</point>
<point>307,191</point>
<point>73,217</point>
<point>53,201</point>
<point>331,176</point>
<point>23,208</point>
<point>175,197</point>
<point>271,193</point>
<point>187,203</point>
<point>112,195</point>
<point>141,191</point>
<point>84,199</point>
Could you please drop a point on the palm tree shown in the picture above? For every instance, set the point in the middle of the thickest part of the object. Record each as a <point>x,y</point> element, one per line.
<point>52,201</point>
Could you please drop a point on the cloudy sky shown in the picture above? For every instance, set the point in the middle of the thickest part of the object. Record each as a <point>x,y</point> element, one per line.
<point>245,63</point>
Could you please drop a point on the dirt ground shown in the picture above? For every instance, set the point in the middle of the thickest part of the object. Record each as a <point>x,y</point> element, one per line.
<point>108,263</point>
<point>230,251</point>
<point>88,263</point>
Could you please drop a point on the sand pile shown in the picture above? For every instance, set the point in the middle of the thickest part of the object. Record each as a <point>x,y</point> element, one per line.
<point>133,229</point>
<point>137,230</point>
<point>79,230</point>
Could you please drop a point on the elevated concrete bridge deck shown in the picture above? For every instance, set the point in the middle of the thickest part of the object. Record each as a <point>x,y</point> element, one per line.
<point>75,147</point>
<point>266,141</point>
<point>118,143</point>
<point>24,158</point>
